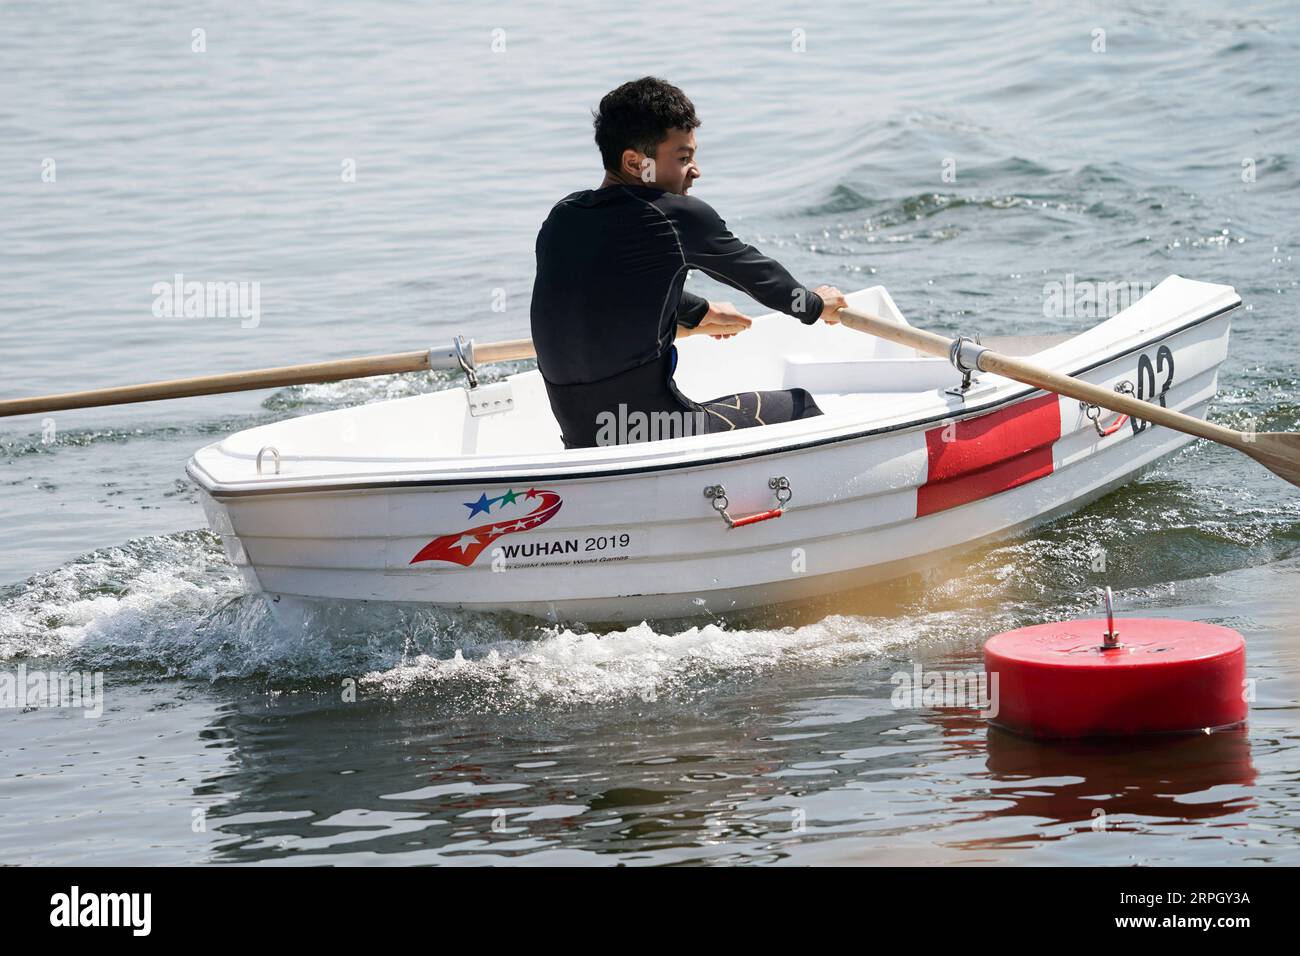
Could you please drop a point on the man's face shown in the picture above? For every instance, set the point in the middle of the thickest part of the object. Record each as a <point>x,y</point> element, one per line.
<point>675,168</point>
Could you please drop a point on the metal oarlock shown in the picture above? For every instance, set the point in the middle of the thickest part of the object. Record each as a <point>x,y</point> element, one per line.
<point>482,400</point>
<point>717,494</point>
<point>964,354</point>
<point>458,355</point>
<point>465,356</point>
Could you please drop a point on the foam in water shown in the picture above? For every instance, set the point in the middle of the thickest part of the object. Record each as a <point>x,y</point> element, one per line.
<point>379,388</point>
<point>173,604</point>
<point>566,667</point>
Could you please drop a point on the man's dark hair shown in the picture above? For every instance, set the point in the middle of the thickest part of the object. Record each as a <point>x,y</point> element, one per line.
<point>638,115</point>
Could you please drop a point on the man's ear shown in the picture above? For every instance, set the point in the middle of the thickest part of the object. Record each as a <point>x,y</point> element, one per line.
<point>636,165</point>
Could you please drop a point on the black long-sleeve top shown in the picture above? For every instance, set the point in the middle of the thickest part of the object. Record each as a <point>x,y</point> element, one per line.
<point>611,265</point>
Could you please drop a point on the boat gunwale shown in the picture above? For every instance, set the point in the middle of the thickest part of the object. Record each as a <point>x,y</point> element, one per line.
<point>209,484</point>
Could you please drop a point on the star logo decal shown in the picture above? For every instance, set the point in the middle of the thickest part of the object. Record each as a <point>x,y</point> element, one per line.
<point>464,547</point>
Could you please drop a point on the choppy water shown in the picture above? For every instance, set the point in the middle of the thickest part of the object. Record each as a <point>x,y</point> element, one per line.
<point>766,737</point>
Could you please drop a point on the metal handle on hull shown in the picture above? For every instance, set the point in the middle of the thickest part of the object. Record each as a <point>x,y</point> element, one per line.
<point>1093,412</point>
<point>718,495</point>
<point>275,453</point>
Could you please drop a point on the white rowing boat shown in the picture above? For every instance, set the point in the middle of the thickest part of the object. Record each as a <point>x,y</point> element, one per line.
<point>466,497</point>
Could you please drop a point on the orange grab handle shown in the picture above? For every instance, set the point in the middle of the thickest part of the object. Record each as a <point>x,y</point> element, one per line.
<point>761,516</point>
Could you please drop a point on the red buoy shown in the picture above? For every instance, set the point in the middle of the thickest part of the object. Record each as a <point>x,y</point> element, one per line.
<point>1083,679</point>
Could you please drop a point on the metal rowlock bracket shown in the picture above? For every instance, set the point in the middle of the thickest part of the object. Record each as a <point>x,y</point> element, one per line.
<point>465,356</point>
<point>717,494</point>
<point>459,355</point>
<point>483,399</point>
<point>964,354</point>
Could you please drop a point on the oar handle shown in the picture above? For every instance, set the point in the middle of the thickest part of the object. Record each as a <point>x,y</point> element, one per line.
<point>511,350</point>
<point>987,360</point>
<point>281,377</point>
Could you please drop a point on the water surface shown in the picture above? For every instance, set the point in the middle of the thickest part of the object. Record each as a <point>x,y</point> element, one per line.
<point>763,738</point>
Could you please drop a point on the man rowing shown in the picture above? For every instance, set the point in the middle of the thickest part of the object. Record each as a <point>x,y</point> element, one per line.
<point>609,298</point>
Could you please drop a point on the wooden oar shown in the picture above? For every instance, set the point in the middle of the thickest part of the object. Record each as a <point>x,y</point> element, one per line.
<point>337,371</point>
<point>510,350</point>
<point>1279,452</point>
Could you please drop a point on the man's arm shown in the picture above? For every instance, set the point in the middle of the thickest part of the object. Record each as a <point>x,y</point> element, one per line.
<point>722,321</point>
<point>691,308</point>
<point>709,246</point>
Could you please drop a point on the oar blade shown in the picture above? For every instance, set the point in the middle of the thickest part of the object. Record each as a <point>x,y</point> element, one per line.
<point>1279,452</point>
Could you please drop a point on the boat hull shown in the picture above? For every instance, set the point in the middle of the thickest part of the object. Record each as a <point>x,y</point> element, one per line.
<point>647,543</point>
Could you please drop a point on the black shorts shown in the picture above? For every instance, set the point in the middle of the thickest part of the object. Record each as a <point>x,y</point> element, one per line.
<point>593,414</point>
<point>748,409</point>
